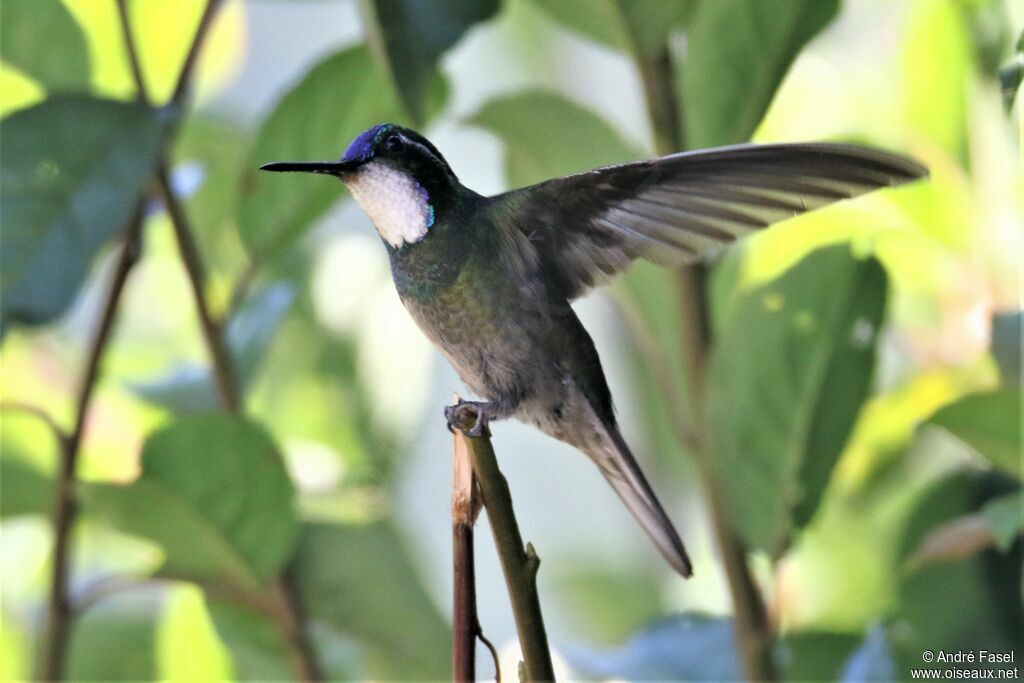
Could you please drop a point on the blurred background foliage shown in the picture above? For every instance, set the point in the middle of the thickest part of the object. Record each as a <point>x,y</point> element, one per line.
<point>864,386</point>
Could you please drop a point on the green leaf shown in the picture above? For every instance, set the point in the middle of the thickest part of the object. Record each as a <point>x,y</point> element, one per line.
<point>43,40</point>
<point>737,53</point>
<point>188,387</point>
<point>24,489</point>
<point>353,579</point>
<point>115,640</point>
<point>639,28</point>
<point>409,36</point>
<point>1005,517</point>
<point>572,139</point>
<point>71,170</point>
<point>990,423</point>
<point>336,100</point>
<point>214,495</point>
<point>684,648</point>
<point>257,653</point>
<point>789,371</point>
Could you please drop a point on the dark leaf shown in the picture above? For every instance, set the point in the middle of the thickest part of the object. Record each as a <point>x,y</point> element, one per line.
<point>42,39</point>
<point>214,495</point>
<point>116,639</point>
<point>789,371</point>
<point>411,35</point>
<point>71,170</point>
<point>335,101</point>
<point>737,53</point>
<point>392,616</point>
<point>990,423</point>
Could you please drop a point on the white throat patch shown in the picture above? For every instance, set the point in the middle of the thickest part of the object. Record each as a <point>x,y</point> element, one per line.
<point>397,205</point>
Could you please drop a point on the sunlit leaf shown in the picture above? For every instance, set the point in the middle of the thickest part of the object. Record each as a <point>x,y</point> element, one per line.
<point>688,647</point>
<point>990,423</point>
<point>335,101</point>
<point>213,494</point>
<point>332,565</point>
<point>71,170</point>
<point>411,35</point>
<point>737,53</point>
<point>936,63</point>
<point>186,627</point>
<point>572,139</point>
<point>789,371</point>
<point>42,39</point>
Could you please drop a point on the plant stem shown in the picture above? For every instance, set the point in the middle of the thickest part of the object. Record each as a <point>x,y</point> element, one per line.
<point>518,563</point>
<point>753,630</point>
<point>55,638</point>
<point>465,507</point>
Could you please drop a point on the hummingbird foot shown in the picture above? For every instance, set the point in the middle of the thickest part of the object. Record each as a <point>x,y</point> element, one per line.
<point>471,417</point>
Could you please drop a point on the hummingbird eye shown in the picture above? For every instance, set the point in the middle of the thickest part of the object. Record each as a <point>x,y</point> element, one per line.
<point>394,143</point>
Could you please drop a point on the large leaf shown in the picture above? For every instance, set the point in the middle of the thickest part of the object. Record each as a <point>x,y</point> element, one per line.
<point>990,423</point>
<point>43,40</point>
<point>571,138</point>
<point>789,371</point>
<point>71,169</point>
<point>352,578</point>
<point>640,28</point>
<point>188,387</point>
<point>688,647</point>
<point>411,35</point>
<point>115,640</point>
<point>737,53</point>
<point>24,489</point>
<point>214,495</point>
<point>336,100</point>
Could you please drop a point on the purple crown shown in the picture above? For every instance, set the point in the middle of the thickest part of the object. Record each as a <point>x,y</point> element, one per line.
<point>361,148</point>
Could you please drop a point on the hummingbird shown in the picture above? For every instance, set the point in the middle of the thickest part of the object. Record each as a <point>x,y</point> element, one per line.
<point>489,280</point>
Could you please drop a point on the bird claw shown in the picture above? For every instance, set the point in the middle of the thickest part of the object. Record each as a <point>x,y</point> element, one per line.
<point>459,414</point>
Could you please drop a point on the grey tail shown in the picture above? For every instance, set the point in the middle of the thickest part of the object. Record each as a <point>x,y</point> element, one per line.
<point>620,468</point>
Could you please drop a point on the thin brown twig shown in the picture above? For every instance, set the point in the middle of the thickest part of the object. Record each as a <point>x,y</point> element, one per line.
<point>753,630</point>
<point>465,508</point>
<point>519,563</point>
<point>55,638</point>
<point>38,412</point>
<point>283,607</point>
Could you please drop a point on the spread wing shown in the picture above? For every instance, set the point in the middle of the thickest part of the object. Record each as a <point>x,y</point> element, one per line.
<point>679,208</point>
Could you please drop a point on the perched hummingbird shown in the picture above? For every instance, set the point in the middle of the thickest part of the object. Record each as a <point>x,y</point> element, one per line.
<point>489,279</point>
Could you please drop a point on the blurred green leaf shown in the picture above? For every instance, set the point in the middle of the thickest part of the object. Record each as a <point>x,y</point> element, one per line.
<point>257,653</point>
<point>815,655</point>
<point>186,626</point>
<point>572,139</point>
<point>115,640</point>
<point>1007,349</point>
<point>43,40</point>
<point>990,423</point>
<point>737,54</point>
<point>335,101</point>
<point>687,647</point>
<point>982,590</point>
<point>789,371</point>
<point>25,490</point>
<point>391,614</point>
<point>639,28</point>
<point>610,604</point>
<point>72,168</point>
<point>937,66</point>
<point>188,387</point>
<point>1005,517</point>
<point>214,495</point>
<point>410,36</point>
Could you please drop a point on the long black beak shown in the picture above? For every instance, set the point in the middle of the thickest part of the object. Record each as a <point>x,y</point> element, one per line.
<point>327,167</point>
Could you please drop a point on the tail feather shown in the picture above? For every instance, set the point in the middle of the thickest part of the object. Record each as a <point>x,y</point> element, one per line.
<point>620,468</point>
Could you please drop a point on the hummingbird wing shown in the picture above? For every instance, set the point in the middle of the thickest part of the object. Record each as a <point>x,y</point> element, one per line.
<point>682,207</point>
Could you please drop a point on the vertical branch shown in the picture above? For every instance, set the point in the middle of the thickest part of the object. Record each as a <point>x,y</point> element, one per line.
<point>58,613</point>
<point>753,630</point>
<point>465,508</point>
<point>519,563</point>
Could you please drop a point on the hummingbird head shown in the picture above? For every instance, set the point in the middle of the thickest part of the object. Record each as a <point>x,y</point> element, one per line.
<point>397,177</point>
